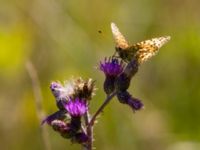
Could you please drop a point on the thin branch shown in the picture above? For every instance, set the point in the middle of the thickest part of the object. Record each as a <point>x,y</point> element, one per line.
<point>83,129</point>
<point>89,131</point>
<point>38,102</point>
<point>90,122</point>
<point>107,100</point>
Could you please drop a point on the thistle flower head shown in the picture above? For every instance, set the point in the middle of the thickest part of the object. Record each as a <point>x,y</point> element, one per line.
<point>62,92</point>
<point>84,89</point>
<point>112,66</point>
<point>126,98</point>
<point>56,89</point>
<point>71,89</point>
<point>76,107</point>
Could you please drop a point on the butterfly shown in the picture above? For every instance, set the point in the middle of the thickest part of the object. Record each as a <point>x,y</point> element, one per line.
<point>141,51</point>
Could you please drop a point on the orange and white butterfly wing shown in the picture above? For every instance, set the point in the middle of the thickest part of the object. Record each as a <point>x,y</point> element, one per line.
<point>148,48</point>
<point>118,37</point>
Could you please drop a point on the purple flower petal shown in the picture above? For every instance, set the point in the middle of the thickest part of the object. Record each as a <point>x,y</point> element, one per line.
<point>76,108</point>
<point>111,66</point>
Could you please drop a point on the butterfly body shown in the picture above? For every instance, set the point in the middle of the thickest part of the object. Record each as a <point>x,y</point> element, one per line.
<point>141,51</point>
<point>126,54</point>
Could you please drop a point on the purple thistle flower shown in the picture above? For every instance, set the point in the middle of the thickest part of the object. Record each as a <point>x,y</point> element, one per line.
<point>61,93</point>
<point>76,107</point>
<point>126,98</point>
<point>111,66</point>
<point>84,89</point>
<point>56,89</point>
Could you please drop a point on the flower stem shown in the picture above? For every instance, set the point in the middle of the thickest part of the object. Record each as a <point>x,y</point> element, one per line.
<point>107,100</point>
<point>89,132</point>
<point>90,122</point>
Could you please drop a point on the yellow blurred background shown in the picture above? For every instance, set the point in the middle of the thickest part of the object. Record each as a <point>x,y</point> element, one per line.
<point>62,40</point>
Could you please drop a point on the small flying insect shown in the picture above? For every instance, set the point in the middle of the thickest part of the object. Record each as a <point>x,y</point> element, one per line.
<point>141,51</point>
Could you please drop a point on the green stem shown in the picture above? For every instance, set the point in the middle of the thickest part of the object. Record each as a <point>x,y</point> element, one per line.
<point>107,100</point>
<point>90,122</point>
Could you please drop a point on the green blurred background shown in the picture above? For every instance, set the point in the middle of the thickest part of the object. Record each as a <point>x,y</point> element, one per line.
<point>62,39</point>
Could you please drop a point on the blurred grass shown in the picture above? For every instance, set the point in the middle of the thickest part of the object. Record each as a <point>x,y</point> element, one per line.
<point>61,38</point>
